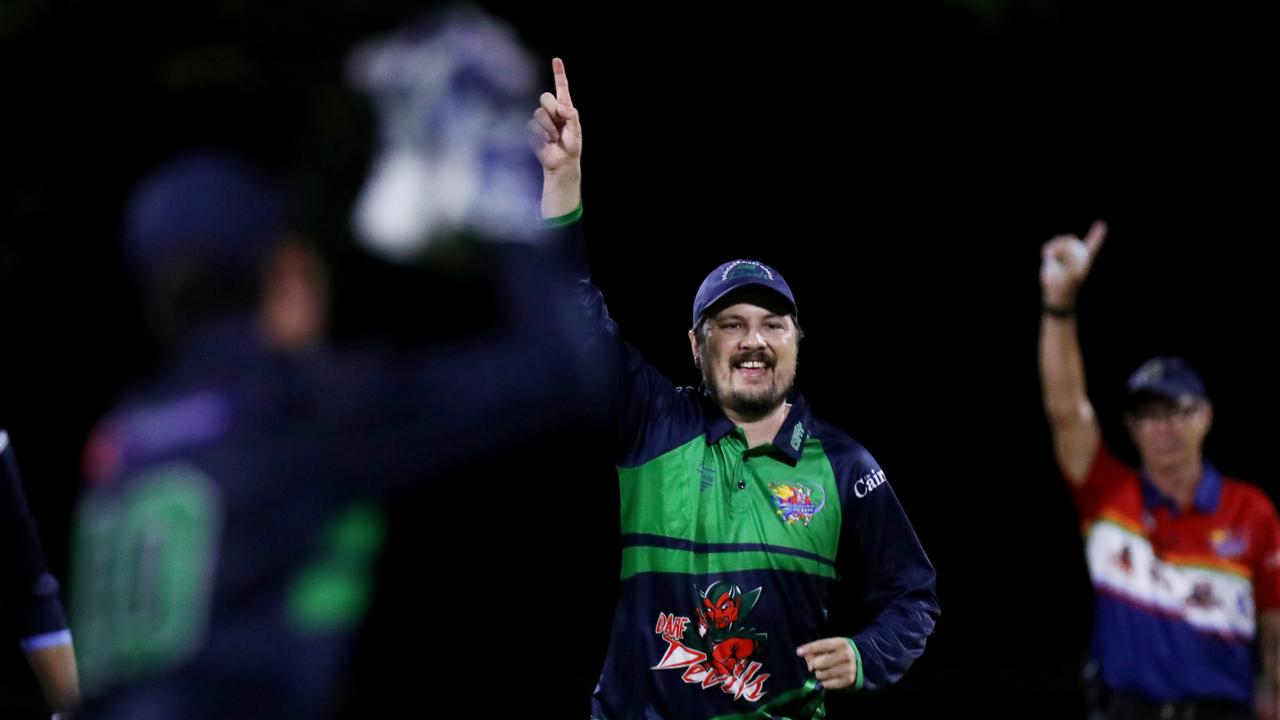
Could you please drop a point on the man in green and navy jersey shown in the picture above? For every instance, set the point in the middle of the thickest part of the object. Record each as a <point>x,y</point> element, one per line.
<point>740,509</point>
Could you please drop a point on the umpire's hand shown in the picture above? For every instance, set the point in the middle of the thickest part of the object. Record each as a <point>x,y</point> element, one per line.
<point>1065,263</point>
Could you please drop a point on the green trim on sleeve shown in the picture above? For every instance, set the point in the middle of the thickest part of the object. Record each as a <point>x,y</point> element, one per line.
<point>857,661</point>
<point>562,220</point>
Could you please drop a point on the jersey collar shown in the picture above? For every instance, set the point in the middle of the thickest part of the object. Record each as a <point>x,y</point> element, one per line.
<point>789,442</point>
<point>1208,491</point>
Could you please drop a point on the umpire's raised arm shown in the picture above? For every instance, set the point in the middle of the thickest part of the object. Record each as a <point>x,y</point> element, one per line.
<point>1065,264</point>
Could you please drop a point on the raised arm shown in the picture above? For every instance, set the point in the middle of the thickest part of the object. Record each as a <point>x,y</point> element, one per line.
<point>555,133</point>
<point>1065,264</point>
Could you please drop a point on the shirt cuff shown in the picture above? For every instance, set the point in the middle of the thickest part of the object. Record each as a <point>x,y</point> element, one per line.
<point>857,661</point>
<point>562,220</point>
<point>46,640</point>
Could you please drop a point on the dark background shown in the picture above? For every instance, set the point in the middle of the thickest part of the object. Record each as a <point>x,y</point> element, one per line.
<point>901,163</point>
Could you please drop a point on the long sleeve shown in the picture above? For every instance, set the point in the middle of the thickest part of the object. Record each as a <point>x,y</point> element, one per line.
<point>881,554</point>
<point>636,394</point>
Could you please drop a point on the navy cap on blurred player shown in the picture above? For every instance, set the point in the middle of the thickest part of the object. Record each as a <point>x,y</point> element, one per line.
<point>207,203</point>
<point>209,237</point>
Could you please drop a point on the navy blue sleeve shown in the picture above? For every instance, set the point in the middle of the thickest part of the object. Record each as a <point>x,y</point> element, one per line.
<point>881,554</point>
<point>373,421</point>
<point>393,418</point>
<point>30,601</point>
<point>646,413</point>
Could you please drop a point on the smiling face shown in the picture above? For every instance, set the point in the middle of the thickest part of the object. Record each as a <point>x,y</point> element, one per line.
<point>747,352</point>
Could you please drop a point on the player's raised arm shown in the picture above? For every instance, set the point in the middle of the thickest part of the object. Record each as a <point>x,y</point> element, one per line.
<point>555,133</point>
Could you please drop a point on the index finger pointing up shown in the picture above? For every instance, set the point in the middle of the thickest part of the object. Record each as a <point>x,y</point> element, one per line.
<point>1097,233</point>
<point>562,82</point>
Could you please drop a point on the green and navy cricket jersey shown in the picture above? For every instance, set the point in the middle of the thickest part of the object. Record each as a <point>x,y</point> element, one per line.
<point>730,553</point>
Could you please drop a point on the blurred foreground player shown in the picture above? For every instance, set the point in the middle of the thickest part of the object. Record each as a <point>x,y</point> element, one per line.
<point>226,538</point>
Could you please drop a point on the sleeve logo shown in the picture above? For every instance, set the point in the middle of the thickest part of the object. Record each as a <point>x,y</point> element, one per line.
<point>865,484</point>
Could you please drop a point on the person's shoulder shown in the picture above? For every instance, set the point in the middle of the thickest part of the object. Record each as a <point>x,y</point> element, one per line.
<point>156,420</point>
<point>1243,488</point>
<point>857,473</point>
<point>1107,462</point>
<point>1242,493</point>
<point>840,445</point>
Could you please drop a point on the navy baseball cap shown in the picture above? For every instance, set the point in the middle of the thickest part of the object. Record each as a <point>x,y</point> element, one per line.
<point>737,274</point>
<point>211,203</point>
<point>1170,378</point>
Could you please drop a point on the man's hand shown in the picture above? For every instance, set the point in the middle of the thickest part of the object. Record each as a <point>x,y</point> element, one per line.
<point>555,131</point>
<point>832,661</point>
<point>555,134</point>
<point>1065,263</point>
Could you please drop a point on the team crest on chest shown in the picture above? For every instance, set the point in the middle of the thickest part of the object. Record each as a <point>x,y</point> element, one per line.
<point>797,501</point>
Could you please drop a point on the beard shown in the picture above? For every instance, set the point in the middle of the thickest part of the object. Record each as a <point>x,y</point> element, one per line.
<point>750,404</point>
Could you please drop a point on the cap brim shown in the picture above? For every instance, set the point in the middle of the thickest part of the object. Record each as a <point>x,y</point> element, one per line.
<point>1178,396</point>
